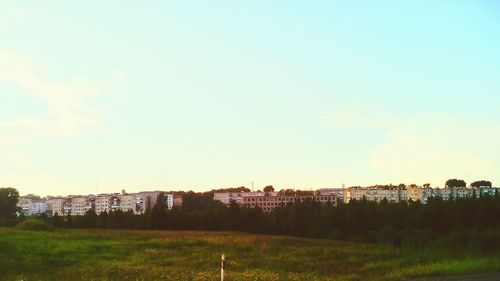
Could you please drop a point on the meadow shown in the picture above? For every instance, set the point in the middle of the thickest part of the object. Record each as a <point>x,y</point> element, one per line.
<point>98,254</point>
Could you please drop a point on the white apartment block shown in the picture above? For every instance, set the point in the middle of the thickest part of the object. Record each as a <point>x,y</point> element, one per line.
<point>102,203</point>
<point>57,206</point>
<point>339,192</point>
<point>81,204</point>
<point>375,194</point>
<point>239,197</point>
<point>490,191</point>
<point>138,203</point>
<point>34,207</point>
<point>227,197</point>
<point>25,205</point>
<point>61,206</point>
<point>170,201</point>
<point>127,202</point>
<point>422,194</point>
<point>113,202</point>
<point>40,207</point>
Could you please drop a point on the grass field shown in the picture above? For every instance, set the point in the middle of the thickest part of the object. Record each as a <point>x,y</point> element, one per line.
<point>175,255</point>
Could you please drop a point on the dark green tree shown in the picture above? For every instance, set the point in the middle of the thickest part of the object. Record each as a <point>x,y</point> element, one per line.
<point>269,188</point>
<point>8,202</point>
<point>451,183</point>
<point>481,183</point>
<point>159,211</point>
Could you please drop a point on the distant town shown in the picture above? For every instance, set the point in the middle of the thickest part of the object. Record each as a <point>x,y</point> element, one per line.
<point>267,199</point>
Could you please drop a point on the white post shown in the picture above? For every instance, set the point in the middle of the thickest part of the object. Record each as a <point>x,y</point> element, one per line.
<point>222,265</point>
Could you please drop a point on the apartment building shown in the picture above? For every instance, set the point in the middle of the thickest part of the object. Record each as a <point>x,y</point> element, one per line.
<point>145,200</point>
<point>103,203</point>
<point>375,194</point>
<point>78,205</point>
<point>34,207</point>
<point>269,202</point>
<point>227,197</point>
<point>127,202</point>
<point>81,205</point>
<point>338,192</point>
<point>415,193</point>
<point>41,207</point>
<point>57,206</point>
<point>170,201</point>
<point>489,191</point>
<point>25,205</point>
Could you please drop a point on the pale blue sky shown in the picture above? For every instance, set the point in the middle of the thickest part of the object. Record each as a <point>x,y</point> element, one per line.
<point>208,94</point>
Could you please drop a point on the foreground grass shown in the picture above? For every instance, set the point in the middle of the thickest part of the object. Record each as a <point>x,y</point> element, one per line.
<point>179,255</point>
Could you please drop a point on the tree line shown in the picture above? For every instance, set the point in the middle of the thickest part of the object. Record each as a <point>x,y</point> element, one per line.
<point>456,223</point>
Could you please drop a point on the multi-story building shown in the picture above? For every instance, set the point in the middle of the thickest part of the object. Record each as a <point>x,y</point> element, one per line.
<point>490,191</point>
<point>375,194</point>
<point>269,202</point>
<point>57,206</point>
<point>127,202</point>
<point>35,207</point>
<point>25,205</point>
<point>416,193</point>
<point>40,207</point>
<point>339,192</point>
<point>227,197</point>
<point>78,205</point>
<point>115,202</point>
<point>170,201</point>
<point>81,204</point>
<point>145,200</point>
<point>238,197</point>
<point>103,203</point>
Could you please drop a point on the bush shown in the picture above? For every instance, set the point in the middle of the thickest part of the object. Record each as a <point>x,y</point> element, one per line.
<point>35,225</point>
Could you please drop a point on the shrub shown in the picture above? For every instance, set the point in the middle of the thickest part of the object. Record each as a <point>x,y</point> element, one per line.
<point>35,225</point>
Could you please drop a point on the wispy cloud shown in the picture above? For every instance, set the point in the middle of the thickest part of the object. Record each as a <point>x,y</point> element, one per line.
<point>428,146</point>
<point>68,107</point>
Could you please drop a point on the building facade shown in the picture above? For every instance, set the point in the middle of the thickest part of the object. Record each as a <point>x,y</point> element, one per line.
<point>137,203</point>
<point>268,201</point>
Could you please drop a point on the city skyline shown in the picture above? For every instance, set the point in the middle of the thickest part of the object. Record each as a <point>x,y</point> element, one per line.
<point>216,95</point>
<point>251,188</point>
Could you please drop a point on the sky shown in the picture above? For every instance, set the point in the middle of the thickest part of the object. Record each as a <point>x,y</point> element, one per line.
<point>99,96</point>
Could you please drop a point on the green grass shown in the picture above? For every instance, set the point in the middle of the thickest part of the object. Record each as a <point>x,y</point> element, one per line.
<point>179,255</point>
